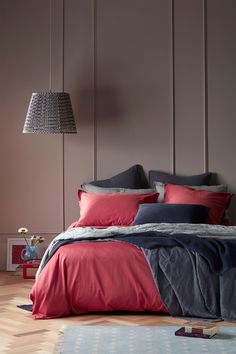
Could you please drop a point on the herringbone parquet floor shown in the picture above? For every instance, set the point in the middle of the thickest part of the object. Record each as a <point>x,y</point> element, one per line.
<point>19,334</point>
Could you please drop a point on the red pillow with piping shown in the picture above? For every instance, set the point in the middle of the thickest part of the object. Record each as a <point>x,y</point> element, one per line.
<point>110,209</point>
<point>217,202</point>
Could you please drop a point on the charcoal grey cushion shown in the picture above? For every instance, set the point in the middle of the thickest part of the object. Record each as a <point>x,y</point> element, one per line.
<point>196,180</point>
<point>160,188</point>
<point>90,188</point>
<point>171,213</point>
<point>134,178</point>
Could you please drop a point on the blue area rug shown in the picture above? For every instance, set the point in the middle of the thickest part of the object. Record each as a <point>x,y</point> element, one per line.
<point>25,307</point>
<point>143,340</point>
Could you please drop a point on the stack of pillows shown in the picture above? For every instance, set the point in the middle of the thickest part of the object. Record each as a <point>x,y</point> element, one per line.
<point>126,199</point>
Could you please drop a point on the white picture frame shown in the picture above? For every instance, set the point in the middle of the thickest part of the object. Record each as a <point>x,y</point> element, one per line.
<point>12,264</point>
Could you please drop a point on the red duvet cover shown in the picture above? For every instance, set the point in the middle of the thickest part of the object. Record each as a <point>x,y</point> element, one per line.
<point>95,276</point>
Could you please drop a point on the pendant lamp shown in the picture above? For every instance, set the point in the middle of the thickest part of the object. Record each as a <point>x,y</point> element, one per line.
<point>50,112</point>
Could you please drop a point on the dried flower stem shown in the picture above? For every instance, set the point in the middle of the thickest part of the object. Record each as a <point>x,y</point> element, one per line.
<point>26,240</point>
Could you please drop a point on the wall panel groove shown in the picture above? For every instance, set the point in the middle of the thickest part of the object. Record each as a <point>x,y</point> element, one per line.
<point>205,87</point>
<point>94,33</point>
<point>172,60</point>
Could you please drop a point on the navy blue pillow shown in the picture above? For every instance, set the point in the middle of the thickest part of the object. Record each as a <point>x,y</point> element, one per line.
<point>196,180</point>
<point>133,178</point>
<point>171,213</point>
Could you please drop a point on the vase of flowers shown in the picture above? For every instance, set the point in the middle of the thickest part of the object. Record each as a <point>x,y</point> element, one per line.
<point>30,252</point>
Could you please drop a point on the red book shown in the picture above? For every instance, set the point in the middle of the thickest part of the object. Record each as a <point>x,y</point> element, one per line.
<point>181,332</point>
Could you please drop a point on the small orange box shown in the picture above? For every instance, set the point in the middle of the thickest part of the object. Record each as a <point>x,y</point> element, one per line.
<point>30,270</point>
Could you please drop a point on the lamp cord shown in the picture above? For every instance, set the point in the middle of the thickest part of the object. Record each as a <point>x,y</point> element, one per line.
<point>50,50</point>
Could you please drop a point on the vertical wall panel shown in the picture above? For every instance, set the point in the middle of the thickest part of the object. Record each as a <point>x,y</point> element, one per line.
<point>222,91</point>
<point>189,84</point>
<point>78,68</point>
<point>133,84</point>
<point>29,179</point>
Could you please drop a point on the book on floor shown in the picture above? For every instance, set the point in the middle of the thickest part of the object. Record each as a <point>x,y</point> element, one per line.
<point>181,332</point>
<point>200,327</point>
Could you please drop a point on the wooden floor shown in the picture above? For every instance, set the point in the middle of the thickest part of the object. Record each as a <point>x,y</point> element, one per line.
<point>19,334</point>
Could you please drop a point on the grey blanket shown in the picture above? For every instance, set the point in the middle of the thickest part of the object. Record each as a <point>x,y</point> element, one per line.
<point>184,280</point>
<point>188,287</point>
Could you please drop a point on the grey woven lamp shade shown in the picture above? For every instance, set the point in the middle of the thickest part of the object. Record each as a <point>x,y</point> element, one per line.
<point>50,112</point>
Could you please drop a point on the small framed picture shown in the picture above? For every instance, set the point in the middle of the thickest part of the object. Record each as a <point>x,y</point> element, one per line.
<point>15,249</point>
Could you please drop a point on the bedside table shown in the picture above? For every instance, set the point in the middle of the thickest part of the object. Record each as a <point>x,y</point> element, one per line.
<point>30,269</point>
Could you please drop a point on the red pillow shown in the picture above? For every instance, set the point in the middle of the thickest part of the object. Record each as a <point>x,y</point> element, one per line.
<point>111,209</point>
<point>217,202</point>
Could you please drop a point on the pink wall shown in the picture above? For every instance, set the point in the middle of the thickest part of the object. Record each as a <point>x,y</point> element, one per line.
<point>151,82</point>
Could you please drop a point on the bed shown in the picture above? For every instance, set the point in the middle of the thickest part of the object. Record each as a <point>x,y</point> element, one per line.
<point>122,260</point>
<point>88,270</point>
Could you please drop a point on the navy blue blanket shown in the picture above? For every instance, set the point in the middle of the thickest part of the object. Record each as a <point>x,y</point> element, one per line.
<point>220,255</point>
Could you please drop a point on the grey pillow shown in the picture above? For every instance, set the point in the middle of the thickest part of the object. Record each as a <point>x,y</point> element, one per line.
<point>134,178</point>
<point>160,188</point>
<point>90,188</point>
<point>196,180</point>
